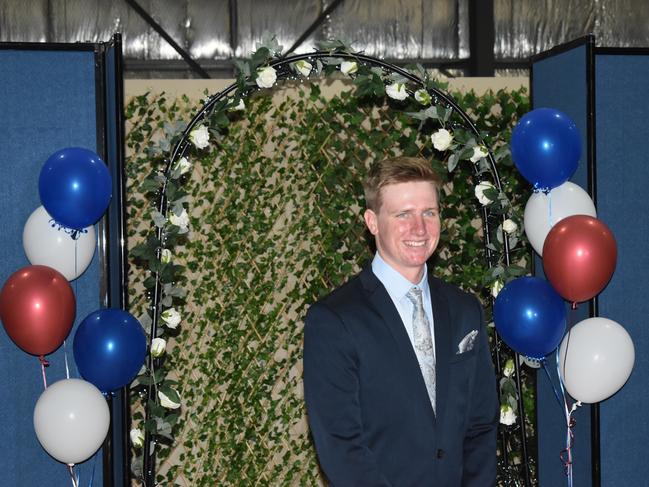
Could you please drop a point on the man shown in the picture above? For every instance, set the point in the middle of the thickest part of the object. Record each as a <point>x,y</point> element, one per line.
<point>398,380</point>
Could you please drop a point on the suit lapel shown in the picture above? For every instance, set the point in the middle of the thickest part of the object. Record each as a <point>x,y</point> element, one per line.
<point>381,301</point>
<point>443,346</point>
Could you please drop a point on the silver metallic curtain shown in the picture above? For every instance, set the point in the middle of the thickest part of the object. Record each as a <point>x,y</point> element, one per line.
<point>216,30</point>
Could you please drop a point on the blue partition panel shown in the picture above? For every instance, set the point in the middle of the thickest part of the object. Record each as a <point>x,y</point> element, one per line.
<point>48,102</point>
<point>561,81</point>
<point>622,87</point>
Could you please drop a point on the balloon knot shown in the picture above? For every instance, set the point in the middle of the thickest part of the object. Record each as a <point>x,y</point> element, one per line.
<point>74,233</point>
<point>44,362</point>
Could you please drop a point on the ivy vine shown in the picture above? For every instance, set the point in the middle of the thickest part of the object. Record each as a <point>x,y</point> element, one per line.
<point>260,216</point>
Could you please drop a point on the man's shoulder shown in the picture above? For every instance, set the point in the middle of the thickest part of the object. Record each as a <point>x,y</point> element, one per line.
<point>345,302</point>
<point>344,295</point>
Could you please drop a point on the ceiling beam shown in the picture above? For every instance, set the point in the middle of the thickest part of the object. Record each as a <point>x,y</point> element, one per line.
<point>316,23</point>
<point>163,33</point>
<point>481,38</point>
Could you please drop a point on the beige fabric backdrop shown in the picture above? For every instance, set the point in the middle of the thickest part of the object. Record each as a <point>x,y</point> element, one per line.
<point>194,88</point>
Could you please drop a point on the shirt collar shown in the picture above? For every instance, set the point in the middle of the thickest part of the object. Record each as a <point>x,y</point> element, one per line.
<point>396,285</point>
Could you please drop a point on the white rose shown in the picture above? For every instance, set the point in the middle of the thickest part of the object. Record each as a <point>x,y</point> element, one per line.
<point>181,221</point>
<point>479,192</point>
<point>158,347</point>
<point>397,91</point>
<point>348,67</point>
<point>442,139</point>
<point>266,77</point>
<point>171,317</point>
<point>239,106</point>
<point>496,287</point>
<point>479,151</point>
<point>507,415</point>
<point>165,402</point>
<point>183,165</point>
<point>508,370</point>
<point>509,226</point>
<point>200,137</point>
<point>422,96</point>
<point>304,67</point>
<point>165,256</point>
<point>137,437</point>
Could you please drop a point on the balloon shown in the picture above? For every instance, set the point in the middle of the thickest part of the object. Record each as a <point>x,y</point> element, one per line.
<point>47,243</point>
<point>542,211</point>
<point>530,316</point>
<point>546,147</point>
<point>37,308</point>
<point>71,420</point>
<point>595,359</point>
<point>109,348</point>
<point>75,187</point>
<point>579,257</point>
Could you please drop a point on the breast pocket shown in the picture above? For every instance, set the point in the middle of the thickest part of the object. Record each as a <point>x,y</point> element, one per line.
<point>461,357</point>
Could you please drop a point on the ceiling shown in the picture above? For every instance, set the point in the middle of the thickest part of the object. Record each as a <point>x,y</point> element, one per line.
<point>435,32</point>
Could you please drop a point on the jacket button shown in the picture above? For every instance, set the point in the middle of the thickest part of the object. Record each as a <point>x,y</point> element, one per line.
<point>440,453</point>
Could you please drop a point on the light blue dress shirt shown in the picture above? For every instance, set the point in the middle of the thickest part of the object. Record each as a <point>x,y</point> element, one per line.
<point>397,287</point>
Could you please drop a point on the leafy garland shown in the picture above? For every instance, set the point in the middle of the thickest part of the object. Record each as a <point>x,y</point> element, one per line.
<point>452,144</point>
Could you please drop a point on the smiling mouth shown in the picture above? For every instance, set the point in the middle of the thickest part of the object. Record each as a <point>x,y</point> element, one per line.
<point>415,244</point>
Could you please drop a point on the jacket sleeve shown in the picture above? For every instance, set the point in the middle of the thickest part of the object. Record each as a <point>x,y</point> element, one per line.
<point>479,465</point>
<point>331,390</point>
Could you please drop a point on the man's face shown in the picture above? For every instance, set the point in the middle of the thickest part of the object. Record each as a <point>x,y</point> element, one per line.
<point>406,226</point>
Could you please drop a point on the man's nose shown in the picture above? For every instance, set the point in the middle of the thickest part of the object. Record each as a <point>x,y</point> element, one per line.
<point>419,225</point>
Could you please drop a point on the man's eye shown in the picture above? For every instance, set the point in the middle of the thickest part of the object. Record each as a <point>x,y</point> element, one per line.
<point>402,215</point>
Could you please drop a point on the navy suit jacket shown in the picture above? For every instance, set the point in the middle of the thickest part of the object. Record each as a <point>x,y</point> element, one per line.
<point>367,405</point>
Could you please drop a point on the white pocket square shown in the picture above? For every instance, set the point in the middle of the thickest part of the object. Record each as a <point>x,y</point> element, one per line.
<point>466,344</point>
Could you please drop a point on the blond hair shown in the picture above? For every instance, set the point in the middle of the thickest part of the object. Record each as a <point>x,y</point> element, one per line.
<point>395,170</point>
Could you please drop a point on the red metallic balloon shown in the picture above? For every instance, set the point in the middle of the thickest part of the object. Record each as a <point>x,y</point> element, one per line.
<point>37,308</point>
<point>579,256</point>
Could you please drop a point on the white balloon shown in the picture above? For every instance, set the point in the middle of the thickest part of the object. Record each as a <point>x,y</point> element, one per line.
<point>543,211</point>
<point>48,243</point>
<point>595,359</point>
<point>71,420</point>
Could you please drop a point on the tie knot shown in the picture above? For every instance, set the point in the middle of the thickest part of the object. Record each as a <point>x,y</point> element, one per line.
<point>414,295</point>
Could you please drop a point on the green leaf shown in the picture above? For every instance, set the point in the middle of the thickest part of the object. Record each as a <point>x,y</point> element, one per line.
<point>452,162</point>
<point>158,219</point>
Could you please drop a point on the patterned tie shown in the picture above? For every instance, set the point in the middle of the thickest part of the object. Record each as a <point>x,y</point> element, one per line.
<point>423,342</point>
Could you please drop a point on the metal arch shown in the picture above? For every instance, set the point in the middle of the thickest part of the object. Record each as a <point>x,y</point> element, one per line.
<point>282,66</point>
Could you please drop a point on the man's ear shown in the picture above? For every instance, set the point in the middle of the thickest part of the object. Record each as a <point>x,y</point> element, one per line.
<point>371,221</point>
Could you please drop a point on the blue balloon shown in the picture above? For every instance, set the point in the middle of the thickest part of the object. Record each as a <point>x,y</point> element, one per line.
<point>530,316</point>
<point>75,187</point>
<point>109,348</point>
<point>546,147</point>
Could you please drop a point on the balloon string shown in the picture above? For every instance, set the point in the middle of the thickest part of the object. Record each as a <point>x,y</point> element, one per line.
<point>551,224</point>
<point>65,358</point>
<point>76,243</point>
<point>75,480</point>
<point>76,295</point>
<point>566,454</point>
<point>554,389</point>
<point>44,363</point>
